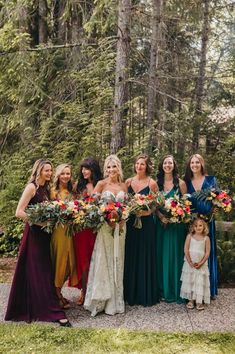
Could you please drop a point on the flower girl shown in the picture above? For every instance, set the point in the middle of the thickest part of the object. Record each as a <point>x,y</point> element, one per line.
<point>195,273</point>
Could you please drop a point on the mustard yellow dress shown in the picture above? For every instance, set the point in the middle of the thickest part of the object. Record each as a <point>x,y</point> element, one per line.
<point>62,250</point>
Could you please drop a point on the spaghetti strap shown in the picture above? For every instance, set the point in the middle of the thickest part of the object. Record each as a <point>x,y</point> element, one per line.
<point>130,183</point>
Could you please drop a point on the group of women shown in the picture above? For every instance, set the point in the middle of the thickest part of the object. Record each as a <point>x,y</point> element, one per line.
<point>121,263</point>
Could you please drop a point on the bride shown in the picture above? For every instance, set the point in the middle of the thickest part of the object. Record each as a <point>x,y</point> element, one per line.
<point>105,280</point>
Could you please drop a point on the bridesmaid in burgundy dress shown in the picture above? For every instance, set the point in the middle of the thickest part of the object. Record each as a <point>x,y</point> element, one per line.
<point>33,296</point>
<point>84,241</point>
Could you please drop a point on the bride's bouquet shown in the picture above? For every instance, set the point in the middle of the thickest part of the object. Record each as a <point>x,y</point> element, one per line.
<point>141,202</point>
<point>113,212</point>
<point>177,209</point>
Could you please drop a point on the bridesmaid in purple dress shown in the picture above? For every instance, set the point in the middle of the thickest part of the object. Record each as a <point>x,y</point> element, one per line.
<point>32,296</point>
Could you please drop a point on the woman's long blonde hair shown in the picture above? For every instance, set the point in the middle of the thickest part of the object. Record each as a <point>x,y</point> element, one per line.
<point>36,172</point>
<point>115,159</point>
<point>58,171</point>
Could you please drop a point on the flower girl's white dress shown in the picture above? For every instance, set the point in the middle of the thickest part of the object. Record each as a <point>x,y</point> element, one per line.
<point>196,282</point>
<point>105,280</point>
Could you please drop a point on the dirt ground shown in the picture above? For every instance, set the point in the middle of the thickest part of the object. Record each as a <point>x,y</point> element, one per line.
<point>7,267</point>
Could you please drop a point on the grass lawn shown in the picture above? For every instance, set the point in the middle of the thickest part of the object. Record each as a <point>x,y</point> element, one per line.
<point>41,338</point>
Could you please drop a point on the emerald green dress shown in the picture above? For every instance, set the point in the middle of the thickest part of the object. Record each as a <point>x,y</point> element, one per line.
<point>170,256</point>
<point>140,270</point>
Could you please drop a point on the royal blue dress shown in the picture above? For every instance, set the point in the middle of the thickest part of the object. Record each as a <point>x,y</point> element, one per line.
<point>202,207</point>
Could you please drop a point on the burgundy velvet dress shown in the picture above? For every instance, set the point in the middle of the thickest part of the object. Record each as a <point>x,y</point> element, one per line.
<point>32,296</point>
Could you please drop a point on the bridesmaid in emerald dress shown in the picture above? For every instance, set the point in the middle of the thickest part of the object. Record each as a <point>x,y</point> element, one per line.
<point>32,296</point>
<point>196,180</point>
<point>140,271</point>
<point>89,175</point>
<point>170,236</point>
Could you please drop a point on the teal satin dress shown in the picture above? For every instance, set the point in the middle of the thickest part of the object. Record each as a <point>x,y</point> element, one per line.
<point>170,256</point>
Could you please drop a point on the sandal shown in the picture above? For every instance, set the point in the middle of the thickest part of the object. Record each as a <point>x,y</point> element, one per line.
<point>81,298</point>
<point>200,307</point>
<point>190,305</point>
<point>64,323</point>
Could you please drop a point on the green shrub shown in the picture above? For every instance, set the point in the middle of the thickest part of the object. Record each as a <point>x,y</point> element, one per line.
<point>226,252</point>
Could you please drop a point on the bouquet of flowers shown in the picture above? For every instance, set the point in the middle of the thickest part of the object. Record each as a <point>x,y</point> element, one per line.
<point>112,212</point>
<point>177,209</point>
<point>87,215</point>
<point>45,214</point>
<point>141,202</point>
<point>219,199</point>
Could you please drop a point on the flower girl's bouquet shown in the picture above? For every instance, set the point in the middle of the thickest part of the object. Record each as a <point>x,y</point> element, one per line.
<point>177,209</point>
<point>141,202</point>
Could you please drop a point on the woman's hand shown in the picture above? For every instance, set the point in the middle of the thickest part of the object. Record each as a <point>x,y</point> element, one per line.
<point>121,224</point>
<point>164,220</point>
<point>144,213</point>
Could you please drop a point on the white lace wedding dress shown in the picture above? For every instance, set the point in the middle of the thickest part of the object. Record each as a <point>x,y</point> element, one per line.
<point>105,280</point>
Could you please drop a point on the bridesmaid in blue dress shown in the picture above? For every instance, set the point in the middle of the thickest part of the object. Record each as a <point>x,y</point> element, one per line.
<point>140,270</point>
<point>196,180</point>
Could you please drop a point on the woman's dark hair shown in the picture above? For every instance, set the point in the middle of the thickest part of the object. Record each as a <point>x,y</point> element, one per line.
<point>161,173</point>
<point>188,172</point>
<point>148,162</point>
<point>93,165</point>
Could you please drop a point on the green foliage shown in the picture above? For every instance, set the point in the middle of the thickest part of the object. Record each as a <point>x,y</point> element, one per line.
<point>226,253</point>
<point>58,103</point>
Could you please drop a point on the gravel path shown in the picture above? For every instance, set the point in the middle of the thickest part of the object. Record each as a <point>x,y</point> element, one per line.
<point>219,316</point>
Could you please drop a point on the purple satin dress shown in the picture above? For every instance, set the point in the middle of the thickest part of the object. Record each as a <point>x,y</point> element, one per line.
<point>32,296</point>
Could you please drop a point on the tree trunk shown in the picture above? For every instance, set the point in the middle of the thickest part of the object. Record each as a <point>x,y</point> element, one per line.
<point>121,86</point>
<point>60,28</point>
<point>152,86</point>
<point>42,21</point>
<point>200,86</point>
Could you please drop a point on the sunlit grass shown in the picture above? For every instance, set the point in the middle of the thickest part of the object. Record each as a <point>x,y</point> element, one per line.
<point>40,338</point>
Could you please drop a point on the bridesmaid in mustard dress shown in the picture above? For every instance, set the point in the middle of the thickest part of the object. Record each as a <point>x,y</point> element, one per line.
<point>62,250</point>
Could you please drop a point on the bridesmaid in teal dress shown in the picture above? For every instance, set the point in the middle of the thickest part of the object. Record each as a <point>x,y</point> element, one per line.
<point>170,236</point>
<point>140,271</point>
<point>196,180</point>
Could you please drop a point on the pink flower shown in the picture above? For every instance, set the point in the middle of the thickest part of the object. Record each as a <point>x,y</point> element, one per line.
<point>180,211</point>
<point>222,195</point>
<point>227,201</point>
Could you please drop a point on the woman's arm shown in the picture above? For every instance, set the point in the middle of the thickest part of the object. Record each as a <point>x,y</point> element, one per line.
<point>27,195</point>
<point>99,187</point>
<point>153,186</point>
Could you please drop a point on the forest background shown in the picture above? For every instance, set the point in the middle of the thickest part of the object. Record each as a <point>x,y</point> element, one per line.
<point>94,77</point>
